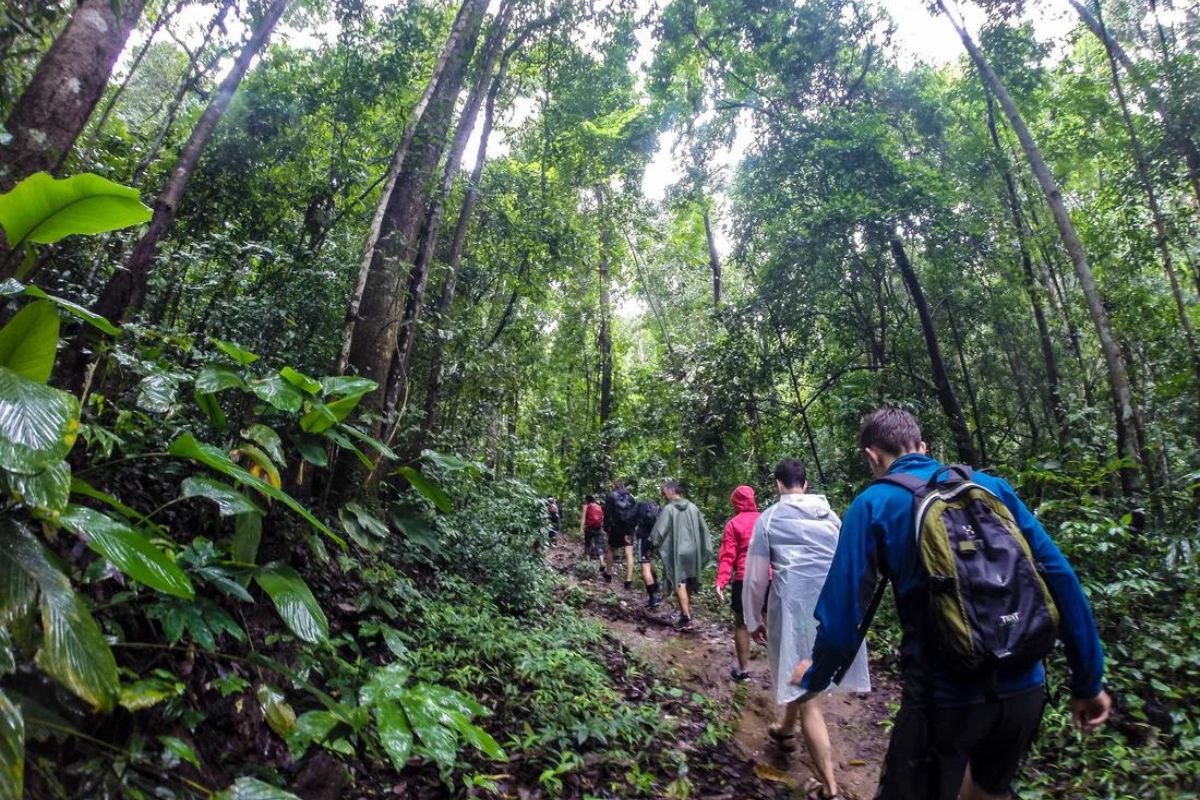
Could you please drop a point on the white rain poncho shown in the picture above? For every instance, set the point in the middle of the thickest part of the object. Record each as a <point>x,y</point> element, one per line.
<point>796,537</point>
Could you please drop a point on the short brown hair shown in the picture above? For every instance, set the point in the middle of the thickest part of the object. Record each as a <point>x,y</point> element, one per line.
<point>892,430</point>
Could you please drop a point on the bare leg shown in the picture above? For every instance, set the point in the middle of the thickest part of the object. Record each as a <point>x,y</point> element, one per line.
<point>741,646</point>
<point>685,606</point>
<point>787,725</point>
<point>629,563</point>
<point>816,738</point>
<point>648,574</point>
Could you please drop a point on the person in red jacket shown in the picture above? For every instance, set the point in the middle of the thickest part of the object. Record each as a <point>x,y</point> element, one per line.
<point>731,565</point>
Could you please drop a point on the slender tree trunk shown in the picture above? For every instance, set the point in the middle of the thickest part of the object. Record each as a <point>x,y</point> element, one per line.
<point>605,313</point>
<point>451,48</point>
<point>376,324</point>
<point>714,258</point>
<point>968,384</point>
<point>1183,142</point>
<point>1032,286</point>
<point>1117,373</point>
<point>801,406</point>
<point>1147,182</point>
<point>418,275</point>
<point>126,290</point>
<point>941,378</point>
<point>70,80</point>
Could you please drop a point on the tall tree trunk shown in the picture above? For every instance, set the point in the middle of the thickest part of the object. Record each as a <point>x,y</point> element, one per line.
<point>968,384</point>
<point>714,258</point>
<point>454,42</point>
<point>376,324</point>
<point>605,313</point>
<point>433,394</point>
<point>418,276</point>
<point>941,378</point>
<point>1161,239</point>
<point>126,290</point>
<point>70,80</point>
<point>1180,137</point>
<point>1117,373</point>
<point>1033,287</point>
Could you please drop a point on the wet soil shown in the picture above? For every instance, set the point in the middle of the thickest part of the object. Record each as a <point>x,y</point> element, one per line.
<point>700,660</point>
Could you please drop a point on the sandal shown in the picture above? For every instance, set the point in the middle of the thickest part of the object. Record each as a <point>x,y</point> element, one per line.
<point>815,790</point>
<point>782,740</point>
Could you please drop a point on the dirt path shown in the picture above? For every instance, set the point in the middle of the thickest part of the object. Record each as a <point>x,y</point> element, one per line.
<point>701,660</point>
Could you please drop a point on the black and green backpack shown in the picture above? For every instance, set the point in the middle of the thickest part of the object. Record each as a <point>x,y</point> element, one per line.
<point>988,606</point>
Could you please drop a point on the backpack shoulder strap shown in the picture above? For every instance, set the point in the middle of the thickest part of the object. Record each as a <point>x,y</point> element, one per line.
<point>904,480</point>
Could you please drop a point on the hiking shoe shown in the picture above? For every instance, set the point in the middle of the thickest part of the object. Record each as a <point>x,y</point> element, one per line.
<point>629,586</point>
<point>607,578</point>
<point>685,623</point>
<point>739,675</point>
<point>654,602</point>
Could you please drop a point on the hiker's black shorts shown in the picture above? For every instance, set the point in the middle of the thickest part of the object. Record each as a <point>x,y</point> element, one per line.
<point>618,539</point>
<point>932,747</point>
<point>645,550</point>
<point>735,600</point>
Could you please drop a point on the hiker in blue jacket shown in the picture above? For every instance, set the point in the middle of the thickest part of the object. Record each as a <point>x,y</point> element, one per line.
<point>955,736</point>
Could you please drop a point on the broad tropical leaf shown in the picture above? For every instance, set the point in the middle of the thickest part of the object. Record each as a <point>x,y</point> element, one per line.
<point>312,450</point>
<point>228,499</point>
<point>127,550</point>
<point>243,357</point>
<point>12,750</point>
<point>187,446</point>
<point>300,380</point>
<point>277,392</point>
<point>294,601</point>
<point>38,424</point>
<point>47,491</point>
<point>275,707</point>
<point>212,379</point>
<point>247,533</point>
<point>13,287</point>
<point>253,789</point>
<point>261,464</point>
<point>158,392</point>
<point>370,441</point>
<point>477,737</point>
<point>43,210</point>
<point>211,408</point>
<point>268,439</point>
<point>74,651</point>
<point>29,342</point>
<point>427,489</point>
<point>395,734</point>
<point>312,727</point>
<point>149,692</point>
<point>429,723</point>
<point>82,487</point>
<point>347,385</point>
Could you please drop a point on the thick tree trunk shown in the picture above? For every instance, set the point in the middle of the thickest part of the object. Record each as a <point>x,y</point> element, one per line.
<point>126,290</point>
<point>376,324</point>
<point>451,48</point>
<point>418,276</point>
<point>1117,373</point>
<point>69,81</point>
<point>714,258</point>
<point>941,378</point>
<point>1033,287</point>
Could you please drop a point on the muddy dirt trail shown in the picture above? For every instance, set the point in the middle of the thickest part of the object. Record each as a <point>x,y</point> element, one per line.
<point>701,659</point>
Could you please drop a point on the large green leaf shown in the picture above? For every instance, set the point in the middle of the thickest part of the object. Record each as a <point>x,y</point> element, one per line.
<point>243,357</point>
<point>158,392</point>
<point>346,385</point>
<point>38,424</point>
<point>129,551</point>
<point>269,440</point>
<point>82,487</point>
<point>13,288</point>
<point>312,727</point>
<point>187,446</point>
<point>277,392</point>
<point>42,210</point>
<point>370,441</point>
<point>431,725</point>
<point>47,491</point>
<point>275,707</point>
<point>312,450</point>
<point>246,788</point>
<point>300,380</point>
<point>247,533</point>
<point>12,749</point>
<point>395,734</point>
<point>228,499</point>
<point>427,489</point>
<point>74,651</point>
<point>294,602</point>
<point>29,342</point>
<point>213,378</point>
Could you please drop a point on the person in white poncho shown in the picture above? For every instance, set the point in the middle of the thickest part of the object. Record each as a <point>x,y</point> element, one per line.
<point>796,538</point>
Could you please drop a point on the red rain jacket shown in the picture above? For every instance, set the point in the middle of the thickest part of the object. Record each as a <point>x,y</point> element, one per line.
<point>731,561</point>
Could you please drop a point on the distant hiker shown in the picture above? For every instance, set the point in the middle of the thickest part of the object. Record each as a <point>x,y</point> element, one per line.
<point>591,528</point>
<point>795,539</point>
<point>731,566</point>
<point>647,515</point>
<point>973,680</point>
<point>554,513</point>
<point>681,537</point>
<point>620,522</point>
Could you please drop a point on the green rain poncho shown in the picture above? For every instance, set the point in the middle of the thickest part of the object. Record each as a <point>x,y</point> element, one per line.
<point>681,538</point>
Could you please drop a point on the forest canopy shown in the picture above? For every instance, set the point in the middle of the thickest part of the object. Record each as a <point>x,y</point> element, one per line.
<point>307,305</point>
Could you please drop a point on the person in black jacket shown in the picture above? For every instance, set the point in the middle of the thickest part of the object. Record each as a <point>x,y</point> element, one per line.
<point>647,515</point>
<point>620,522</point>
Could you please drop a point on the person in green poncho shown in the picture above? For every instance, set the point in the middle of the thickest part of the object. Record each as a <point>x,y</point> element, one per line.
<point>681,538</point>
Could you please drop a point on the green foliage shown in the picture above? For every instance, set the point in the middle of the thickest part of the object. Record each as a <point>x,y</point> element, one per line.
<point>43,210</point>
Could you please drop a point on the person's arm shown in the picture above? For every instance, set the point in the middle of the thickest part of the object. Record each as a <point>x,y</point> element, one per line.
<point>1077,626</point>
<point>661,526</point>
<point>582,519</point>
<point>757,579</point>
<point>848,588</point>
<point>726,555</point>
<point>608,512</point>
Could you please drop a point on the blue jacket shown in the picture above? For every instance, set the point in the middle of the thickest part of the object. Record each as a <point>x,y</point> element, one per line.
<point>877,539</point>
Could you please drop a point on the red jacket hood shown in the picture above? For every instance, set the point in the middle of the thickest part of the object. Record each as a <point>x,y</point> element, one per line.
<point>743,499</point>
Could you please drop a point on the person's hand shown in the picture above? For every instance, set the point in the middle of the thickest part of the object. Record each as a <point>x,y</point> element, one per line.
<point>760,635</point>
<point>721,593</point>
<point>801,669</point>
<point>1090,713</point>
